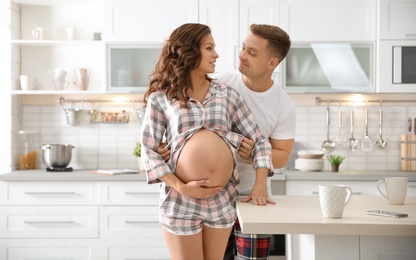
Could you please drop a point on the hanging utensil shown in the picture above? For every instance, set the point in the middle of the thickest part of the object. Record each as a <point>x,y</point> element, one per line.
<point>352,142</point>
<point>341,138</point>
<point>366,143</point>
<point>380,142</point>
<point>328,145</point>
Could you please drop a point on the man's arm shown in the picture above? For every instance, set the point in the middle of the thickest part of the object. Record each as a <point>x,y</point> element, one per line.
<point>281,151</point>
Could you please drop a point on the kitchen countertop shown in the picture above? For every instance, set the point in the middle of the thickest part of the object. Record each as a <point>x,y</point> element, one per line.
<point>285,175</point>
<point>302,215</point>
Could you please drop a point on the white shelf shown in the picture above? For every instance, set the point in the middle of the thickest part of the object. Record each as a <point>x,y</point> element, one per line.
<point>51,43</point>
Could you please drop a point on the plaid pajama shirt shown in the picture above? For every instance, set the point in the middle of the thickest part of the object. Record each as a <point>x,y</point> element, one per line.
<point>223,111</point>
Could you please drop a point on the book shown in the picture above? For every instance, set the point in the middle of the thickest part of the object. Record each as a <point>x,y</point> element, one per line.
<point>115,171</point>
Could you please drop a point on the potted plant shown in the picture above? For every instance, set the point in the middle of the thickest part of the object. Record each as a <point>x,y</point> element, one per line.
<point>137,151</point>
<point>335,161</point>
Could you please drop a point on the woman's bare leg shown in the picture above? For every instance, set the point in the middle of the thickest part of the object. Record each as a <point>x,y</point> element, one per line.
<point>184,247</point>
<point>215,242</point>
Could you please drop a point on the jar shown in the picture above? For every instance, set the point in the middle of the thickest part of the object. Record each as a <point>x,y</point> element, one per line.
<point>28,150</point>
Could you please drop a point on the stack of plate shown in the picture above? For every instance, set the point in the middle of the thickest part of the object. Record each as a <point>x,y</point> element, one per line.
<point>309,160</point>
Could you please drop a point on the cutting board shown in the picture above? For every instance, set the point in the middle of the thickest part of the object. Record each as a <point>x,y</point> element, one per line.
<point>408,152</point>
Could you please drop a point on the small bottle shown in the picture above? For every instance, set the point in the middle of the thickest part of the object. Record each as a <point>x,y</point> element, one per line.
<point>28,151</point>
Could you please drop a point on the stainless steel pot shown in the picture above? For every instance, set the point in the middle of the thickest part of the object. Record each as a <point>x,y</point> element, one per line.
<point>57,155</point>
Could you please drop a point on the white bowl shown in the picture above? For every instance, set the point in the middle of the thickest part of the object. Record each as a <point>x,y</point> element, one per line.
<point>309,164</point>
<point>311,154</point>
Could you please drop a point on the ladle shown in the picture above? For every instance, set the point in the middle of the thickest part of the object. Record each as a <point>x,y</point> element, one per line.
<point>328,145</point>
<point>352,142</point>
<point>381,143</point>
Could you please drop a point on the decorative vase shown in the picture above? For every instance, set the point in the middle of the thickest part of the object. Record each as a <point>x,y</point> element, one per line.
<point>334,167</point>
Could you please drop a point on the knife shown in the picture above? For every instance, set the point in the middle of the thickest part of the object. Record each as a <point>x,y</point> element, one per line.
<point>409,125</point>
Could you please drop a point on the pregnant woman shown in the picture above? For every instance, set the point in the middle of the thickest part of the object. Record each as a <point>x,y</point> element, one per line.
<point>204,124</point>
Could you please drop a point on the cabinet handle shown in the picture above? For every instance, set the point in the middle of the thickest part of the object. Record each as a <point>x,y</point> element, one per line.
<point>412,186</point>
<point>49,192</point>
<point>235,56</point>
<point>47,259</point>
<point>48,222</point>
<point>138,193</point>
<point>138,222</point>
<point>410,35</point>
<point>317,193</point>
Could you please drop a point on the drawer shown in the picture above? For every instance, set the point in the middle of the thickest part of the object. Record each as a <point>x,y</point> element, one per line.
<point>48,193</point>
<point>129,193</point>
<point>367,188</point>
<point>128,249</point>
<point>48,222</point>
<point>43,249</point>
<point>130,222</point>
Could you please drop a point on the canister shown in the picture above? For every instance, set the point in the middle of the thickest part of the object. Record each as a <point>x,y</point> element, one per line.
<point>28,149</point>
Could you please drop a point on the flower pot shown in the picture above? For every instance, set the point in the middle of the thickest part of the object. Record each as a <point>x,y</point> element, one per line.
<point>334,167</point>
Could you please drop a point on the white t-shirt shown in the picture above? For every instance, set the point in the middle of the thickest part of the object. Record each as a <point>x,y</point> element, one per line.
<point>275,115</point>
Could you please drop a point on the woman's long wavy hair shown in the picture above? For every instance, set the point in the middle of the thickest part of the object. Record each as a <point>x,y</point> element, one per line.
<point>180,55</point>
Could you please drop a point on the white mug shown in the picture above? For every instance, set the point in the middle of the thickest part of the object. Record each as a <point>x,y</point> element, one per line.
<point>27,82</point>
<point>74,34</point>
<point>60,83</point>
<point>57,73</point>
<point>333,199</point>
<point>37,33</point>
<point>396,189</point>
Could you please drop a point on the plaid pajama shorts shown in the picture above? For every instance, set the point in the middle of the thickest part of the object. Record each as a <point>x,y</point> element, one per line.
<point>183,215</point>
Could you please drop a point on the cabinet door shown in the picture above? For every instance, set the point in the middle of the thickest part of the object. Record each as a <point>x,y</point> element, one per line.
<point>146,21</point>
<point>25,249</point>
<point>129,193</point>
<point>222,17</point>
<point>129,249</point>
<point>48,193</point>
<point>328,20</point>
<point>258,12</point>
<point>49,222</point>
<point>397,19</point>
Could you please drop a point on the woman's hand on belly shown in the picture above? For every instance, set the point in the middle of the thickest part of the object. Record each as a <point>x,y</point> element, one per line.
<point>200,189</point>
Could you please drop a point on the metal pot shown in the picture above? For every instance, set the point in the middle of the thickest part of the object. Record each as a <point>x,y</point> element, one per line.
<point>56,155</point>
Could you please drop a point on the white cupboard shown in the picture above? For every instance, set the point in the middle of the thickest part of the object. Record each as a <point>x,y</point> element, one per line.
<point>229,21</point>
<point>146,21</point>
<point>327,20</point>
<point>397,20</point>
<point>80,220</point>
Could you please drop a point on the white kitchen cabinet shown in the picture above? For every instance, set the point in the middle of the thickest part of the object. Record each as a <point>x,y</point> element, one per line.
<point>397,19</point>
<point>146,21</point>
<point>312,187</point>
<point>80,220</point>
<point>328,20</point>
<point>55,50</point>
<point>230,20</point>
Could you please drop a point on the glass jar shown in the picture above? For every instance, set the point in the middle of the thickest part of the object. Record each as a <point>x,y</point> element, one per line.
<point>28,150</point>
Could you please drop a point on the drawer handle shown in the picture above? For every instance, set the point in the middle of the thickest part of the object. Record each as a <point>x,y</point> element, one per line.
<point>138,222</point>
<point>48,192</point>
<point>412,186</point>
<point>48,222</point>
<point>317,193</point>
<point>138,193</point>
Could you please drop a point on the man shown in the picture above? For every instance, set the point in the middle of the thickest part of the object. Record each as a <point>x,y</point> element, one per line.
<point>275,113</point>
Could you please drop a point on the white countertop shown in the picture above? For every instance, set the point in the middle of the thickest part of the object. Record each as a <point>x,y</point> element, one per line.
<point>285,175</point>
<point>302,215</point>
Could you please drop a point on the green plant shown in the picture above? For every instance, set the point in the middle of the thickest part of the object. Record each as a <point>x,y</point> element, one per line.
<point>138,149</point>
<point>335,159</point>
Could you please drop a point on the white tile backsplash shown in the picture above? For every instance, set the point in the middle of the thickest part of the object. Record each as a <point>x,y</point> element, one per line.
<point>111,145</point>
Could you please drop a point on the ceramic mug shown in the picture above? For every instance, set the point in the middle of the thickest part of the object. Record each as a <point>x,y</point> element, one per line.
<point>27,82</point>
<point>60,83</point>
<point>57,73</point>
<point>74,34</point>
<point>333,199</point>
<point>37,33</point>
<point>396,189</point>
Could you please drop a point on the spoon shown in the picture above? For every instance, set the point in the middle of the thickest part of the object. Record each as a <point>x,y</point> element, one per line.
<point>380,142</point>
<point>328,145</point>
<point>352,142</point>
<point>341,138</point>
<point>366,142</point>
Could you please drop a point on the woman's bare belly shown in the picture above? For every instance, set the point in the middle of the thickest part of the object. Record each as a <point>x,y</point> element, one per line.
<point>205,156</point>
